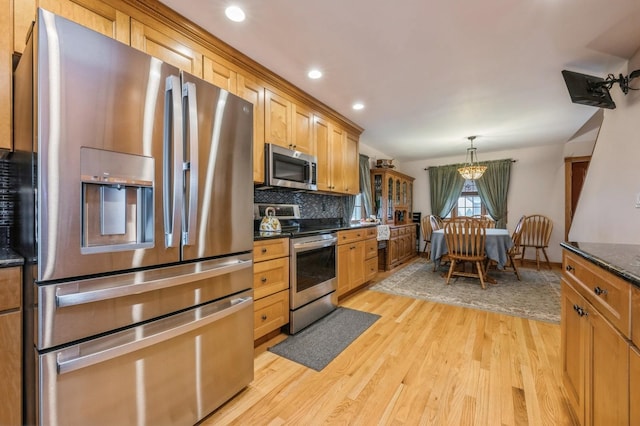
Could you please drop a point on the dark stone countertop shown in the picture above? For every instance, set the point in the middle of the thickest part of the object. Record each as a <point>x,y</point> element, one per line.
<point>262,235</point>
<point>622,260</point>
<point>10,258</point>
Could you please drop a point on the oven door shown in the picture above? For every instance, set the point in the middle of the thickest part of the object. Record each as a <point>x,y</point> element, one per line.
<point>313,268</point>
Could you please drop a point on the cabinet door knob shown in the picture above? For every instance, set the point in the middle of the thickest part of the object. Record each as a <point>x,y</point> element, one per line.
<point>600,292</point>
<point>569,268</point>
<point>580,311</point>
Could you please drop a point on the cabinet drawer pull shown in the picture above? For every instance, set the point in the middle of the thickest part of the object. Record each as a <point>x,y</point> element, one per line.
<point>569,268</point>
<point>600,292</point>
<point>264,250</point>
<point>264,317</point>
<point>263,279</point>
<point>580,311</point>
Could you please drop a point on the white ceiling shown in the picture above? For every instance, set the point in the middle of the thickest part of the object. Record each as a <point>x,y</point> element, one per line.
<point>430,72</point>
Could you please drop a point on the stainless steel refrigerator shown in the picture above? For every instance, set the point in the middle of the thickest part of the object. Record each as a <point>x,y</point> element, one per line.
<point>135,205</point>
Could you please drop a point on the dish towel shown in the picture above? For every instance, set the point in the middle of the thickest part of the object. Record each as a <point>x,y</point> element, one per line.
<point>383,232</point>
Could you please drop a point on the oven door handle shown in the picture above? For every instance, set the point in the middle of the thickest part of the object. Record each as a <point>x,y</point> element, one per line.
<point>137,287</point>
<point>310,245</point>
<point>70,359</point>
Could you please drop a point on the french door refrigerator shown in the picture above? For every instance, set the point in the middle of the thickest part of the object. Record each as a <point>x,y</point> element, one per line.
<point>135,194</point>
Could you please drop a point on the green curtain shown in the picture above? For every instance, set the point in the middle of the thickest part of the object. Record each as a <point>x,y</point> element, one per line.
<point>445,184</point>
<point>365,185</point>
<point>493,188</point>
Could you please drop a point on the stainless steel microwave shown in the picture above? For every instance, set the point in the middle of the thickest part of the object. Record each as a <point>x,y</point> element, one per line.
<point>289,168</point>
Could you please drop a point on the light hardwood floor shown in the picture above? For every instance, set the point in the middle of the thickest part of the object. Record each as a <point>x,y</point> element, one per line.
<point>420,363</point>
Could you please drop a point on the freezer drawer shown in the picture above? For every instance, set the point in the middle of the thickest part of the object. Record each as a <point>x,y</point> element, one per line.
<point>172,371</point>
<point>75,310</point>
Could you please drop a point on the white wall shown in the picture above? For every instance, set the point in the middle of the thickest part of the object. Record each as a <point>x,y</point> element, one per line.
<point>607,211</point>
<point>536,186</point>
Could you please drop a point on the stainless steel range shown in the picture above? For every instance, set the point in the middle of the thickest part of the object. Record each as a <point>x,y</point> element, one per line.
<point>312,274</point>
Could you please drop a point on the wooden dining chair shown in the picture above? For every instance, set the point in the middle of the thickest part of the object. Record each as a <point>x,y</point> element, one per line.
<point>486,220</point>
<point>515,250</point>
<point>426,236</point>
<point>436,222</point>
<point>465,243</point>
<point>536,232</point>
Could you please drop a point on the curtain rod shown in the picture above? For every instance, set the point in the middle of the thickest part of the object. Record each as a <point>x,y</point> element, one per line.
<point>427,168</point>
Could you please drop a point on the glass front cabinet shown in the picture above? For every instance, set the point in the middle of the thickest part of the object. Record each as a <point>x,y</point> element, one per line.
<point>392,195</point>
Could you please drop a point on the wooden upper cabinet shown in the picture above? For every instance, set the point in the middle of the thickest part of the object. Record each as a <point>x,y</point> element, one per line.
<point>351,173</point>
<point>253,91</point>
<point>321,142</point>
<point>221,73</point>
<point>167,46</point>
<point>288,124</point>
<point>302,132</point>
<point>336,157</point>
<point>96,15</point>
<point>277,119</point>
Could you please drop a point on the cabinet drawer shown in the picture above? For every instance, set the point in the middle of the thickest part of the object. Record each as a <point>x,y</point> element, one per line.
<point>370,248</point>
<point>610,295</point>
<point>270,277</point>
<point>270,249</point>
<point>270,313</point>
<point>371,232</point>
<point>635,316</point>
<point>351,235</point>
<point>10,285</point>
<point>370,268</point>
<point>394,232</point>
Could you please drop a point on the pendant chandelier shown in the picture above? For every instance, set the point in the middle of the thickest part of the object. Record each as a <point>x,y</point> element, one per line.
<point>471,169</point>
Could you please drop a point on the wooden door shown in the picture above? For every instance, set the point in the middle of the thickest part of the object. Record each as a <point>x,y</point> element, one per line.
<point>220,72</point>
<point>253,91</point>
<point>336,157</point>
<point>634,386</point>
<point>277,124</point>
<point>351,165</point>
<point>321,141</point>
<point>575,174</point>
<point>95,15</point>
<point>573,329</point>
<point>166,46</point>
<point>303,130</point>
<point>608,374</point>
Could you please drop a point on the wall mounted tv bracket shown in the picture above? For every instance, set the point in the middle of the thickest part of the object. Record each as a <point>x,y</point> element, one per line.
<point>622,80</point>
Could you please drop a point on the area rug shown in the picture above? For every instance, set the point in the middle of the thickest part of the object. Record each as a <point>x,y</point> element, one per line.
<point>317,345</point>
<point>536,297</point>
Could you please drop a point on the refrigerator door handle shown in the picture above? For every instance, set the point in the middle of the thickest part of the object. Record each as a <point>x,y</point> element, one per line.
<point>105,293</point>
<point>189,235</point>
<point>172,161</point>
<point>68,361</point>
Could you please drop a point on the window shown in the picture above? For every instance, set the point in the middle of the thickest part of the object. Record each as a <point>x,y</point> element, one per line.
<point>469,202</point>
<point>358,210</point>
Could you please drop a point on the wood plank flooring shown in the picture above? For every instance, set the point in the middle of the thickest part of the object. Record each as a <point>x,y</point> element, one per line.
<point>421,363</point>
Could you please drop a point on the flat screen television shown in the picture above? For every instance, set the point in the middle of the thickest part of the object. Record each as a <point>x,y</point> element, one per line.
<point>584,90</point>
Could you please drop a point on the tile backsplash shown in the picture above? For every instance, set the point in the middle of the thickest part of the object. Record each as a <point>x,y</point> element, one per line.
<point>312,206</point>
<point>7,200</point>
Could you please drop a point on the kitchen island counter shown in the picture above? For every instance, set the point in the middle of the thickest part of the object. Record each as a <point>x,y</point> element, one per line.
<point>622,260</point>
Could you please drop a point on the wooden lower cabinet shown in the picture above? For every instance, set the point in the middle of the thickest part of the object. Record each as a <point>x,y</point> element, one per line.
<point>357,258</point>
<point>401,246</point>
<point>596,368</point>
<point>10,346</point>
<point>634,385</point>
<point>270,285</point>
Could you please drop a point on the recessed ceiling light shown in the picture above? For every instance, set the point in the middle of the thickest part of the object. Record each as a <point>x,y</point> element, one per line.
<point>358,106</point>
<point>234,13</point>
<point>314,74</point>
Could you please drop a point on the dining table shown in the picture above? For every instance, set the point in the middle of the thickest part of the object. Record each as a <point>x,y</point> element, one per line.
<point>497,244</point>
